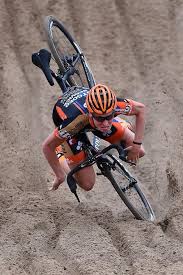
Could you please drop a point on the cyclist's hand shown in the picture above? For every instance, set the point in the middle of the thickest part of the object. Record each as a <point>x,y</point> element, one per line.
<point>133,153</point>
<point>55,184</point>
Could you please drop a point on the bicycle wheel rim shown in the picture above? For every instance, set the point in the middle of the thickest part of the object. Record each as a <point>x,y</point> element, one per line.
<point>66,51</point>
<point>134,198</point>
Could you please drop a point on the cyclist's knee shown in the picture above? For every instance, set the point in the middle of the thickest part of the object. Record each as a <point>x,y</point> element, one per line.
<point>86,185</point>
<point>86,178</point>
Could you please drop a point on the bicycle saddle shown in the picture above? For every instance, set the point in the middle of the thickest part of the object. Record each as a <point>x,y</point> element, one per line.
<point>41,59</point>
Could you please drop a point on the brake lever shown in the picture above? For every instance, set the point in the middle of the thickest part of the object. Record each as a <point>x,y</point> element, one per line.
<point>124,158</point>
<point>123,155</point>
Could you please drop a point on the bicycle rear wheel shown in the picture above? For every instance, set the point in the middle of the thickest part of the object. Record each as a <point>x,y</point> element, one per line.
<point>67,53</point>
<point>129,190</point>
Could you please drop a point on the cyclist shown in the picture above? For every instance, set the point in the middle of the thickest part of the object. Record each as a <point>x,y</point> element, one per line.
<point>98,110</point>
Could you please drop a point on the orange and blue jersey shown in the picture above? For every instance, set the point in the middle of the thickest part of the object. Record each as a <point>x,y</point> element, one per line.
<point>70,116</point>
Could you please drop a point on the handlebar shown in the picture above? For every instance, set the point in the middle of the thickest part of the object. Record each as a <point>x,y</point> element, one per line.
<point>122,153</point>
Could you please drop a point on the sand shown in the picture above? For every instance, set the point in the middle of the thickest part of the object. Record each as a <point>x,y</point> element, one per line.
<point>136,48</point>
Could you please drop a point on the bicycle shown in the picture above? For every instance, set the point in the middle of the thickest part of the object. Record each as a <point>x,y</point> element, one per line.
<point>114,170</point>
<point>73,70</point>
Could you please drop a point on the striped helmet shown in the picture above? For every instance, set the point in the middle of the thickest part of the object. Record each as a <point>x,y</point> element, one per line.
<point>101,100</point>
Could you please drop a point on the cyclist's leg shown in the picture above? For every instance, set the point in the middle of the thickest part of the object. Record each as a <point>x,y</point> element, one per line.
<point>70,156</point>
<point>85,177</point>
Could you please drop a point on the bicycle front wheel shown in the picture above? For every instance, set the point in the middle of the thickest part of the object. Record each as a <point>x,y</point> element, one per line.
<point>67,53</point>
<point>129,190</point>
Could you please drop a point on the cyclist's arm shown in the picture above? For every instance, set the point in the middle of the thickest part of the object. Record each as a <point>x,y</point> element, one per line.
<point>59,135</point>
<point>138,109</point>
<point>130,107</point>
<point>49,146</point>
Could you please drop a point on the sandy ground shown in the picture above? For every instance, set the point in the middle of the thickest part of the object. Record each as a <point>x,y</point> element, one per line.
<point>136,47</point>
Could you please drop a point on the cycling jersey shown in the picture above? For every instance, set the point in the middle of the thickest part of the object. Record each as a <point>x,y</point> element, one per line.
<point>70,116</point>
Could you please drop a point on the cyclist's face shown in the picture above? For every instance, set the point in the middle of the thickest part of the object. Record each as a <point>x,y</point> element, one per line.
<point>103,123</point>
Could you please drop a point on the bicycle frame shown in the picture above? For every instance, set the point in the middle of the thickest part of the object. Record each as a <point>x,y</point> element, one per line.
<point>109,163</point>
<point>42,59</point>
<point>62,80</point>
<point>94,156</point>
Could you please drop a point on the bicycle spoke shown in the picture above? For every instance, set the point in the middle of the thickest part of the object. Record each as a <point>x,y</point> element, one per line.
<point>65,51</point>
<point>128,189</point>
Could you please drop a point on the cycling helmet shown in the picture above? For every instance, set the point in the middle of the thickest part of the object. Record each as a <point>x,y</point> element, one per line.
<point>101,100</point>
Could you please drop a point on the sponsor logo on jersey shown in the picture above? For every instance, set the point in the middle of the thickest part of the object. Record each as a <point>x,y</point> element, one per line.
<point>70,97</point>
<point>72,141</point>
<point>64,134</point>
<point>79,146</point>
